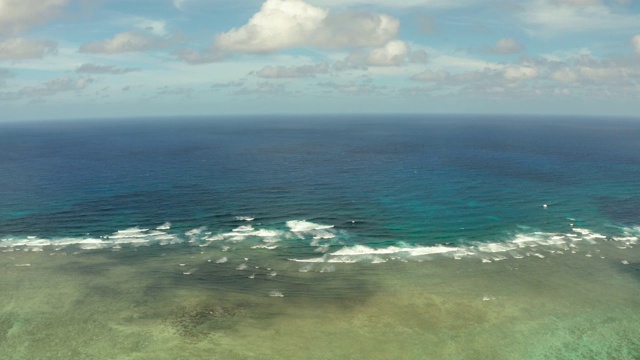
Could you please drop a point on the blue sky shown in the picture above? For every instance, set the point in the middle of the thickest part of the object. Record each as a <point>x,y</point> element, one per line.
<point>114,58</point>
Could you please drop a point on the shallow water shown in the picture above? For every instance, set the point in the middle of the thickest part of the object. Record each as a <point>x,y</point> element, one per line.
<point>146,304</point>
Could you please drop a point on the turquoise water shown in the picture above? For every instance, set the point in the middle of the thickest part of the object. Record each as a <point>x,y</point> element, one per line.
<point>320,237</point>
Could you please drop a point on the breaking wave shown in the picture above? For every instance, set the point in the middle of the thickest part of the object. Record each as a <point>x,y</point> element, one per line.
<point>335,245</point>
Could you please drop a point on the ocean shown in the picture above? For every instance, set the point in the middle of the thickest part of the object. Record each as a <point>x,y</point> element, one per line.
<point>320,237</point>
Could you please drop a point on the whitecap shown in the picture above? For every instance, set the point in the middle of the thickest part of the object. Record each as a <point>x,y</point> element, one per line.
<point>305,226</point>
<point>243,228</point>
<point>263,246</point>
<point>312,260</point>
<point>165,226</point>
<point>128,233</point>
<point>190,271</point>
<point>196,231</point>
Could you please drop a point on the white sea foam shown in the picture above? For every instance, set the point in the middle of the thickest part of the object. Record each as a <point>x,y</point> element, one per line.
<point>365,250</point>
<point>134,232</point>
<point>236,238</point>
<point>267,233</point>
<point>264,246</point>
<point>324,238</point>
<point>134,236</point>
<point>497,247</point>
<point>87,244</point>
<point>196,231</point>
<point>323,235</point>
<point>190,271</point>
<point>165,226</point>
<point>631,236</point>
<point>553,243</point>
<point>244,218</point>
<point>305,226</point>
<point>312,260</point>
<point>217,237</point>
<point>243,228</point>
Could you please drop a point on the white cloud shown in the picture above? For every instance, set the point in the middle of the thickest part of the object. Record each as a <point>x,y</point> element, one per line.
<point>603,73</point>
<point>186,92</point>
<point>566,54</point>
<point>102,69</point>
<point>282,24</point>
<point>565,75</point>
<point>265,88</point>
<point>194,57</point>
<point>129,41</point>
<point>284,72</point>
<point>228,84</point>
<point>445,80</point>
<point>550,17</point>
<point>20,15</point>
<point>153,26</point>
<point>362,87</point>
<point>49,88</point>
<point>418,56</point>
<point>432,76</point>
<point>432,4</point>
<point>578,2</point>
<point>393,53</point>
<point>589,72</point>
<point>582,77</point>
<point>179,4</point>
<point>57,85</point>
<point>613,73</point>
<point>506,46</point>
<point>456,63</point>
<point>636,43</point>
<point>21,49</point>
<point>279,24</point>
<point>518,73</point>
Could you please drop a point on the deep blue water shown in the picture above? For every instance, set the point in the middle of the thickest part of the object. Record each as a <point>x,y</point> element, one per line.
<point>381,179</point>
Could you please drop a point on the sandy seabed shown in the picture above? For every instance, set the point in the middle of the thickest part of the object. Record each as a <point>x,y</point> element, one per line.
<point>183,303</point>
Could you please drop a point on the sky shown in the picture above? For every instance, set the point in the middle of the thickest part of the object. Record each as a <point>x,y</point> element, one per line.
<point>127,58</point>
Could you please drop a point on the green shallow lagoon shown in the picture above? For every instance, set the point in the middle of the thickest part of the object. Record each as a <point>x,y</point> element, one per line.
<point>161,303</point>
